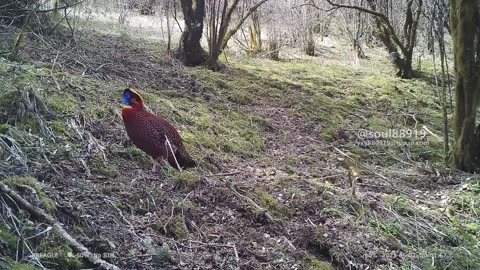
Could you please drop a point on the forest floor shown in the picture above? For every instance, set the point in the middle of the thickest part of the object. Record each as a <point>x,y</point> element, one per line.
<point>287,178</point>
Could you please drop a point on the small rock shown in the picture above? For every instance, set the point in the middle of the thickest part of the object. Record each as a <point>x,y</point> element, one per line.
<point>259,173</point>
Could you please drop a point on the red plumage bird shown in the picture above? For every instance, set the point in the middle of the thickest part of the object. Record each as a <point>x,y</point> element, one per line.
<point>149,132</point>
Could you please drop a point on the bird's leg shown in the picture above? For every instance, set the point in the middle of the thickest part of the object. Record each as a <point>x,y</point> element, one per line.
<point>155,164</point>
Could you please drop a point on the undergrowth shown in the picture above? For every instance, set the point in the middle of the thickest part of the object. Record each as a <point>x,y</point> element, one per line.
<point>61,133</point>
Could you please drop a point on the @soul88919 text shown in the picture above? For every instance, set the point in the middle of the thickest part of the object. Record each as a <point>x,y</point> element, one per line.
<point>391,134</point>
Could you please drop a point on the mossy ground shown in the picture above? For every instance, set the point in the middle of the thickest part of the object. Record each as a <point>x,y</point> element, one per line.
<point>264,130</point>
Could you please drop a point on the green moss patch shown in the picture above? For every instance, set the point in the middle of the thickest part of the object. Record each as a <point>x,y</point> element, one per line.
<point>270,203</point>
<point>7,237</point>
<point>309,262</point>
<point>186,179</point>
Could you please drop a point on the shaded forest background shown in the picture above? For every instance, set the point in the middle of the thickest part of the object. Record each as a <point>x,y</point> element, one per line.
<point>329,134</point>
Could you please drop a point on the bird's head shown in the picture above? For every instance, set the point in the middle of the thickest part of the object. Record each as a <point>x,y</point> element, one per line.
<point>132,99</point>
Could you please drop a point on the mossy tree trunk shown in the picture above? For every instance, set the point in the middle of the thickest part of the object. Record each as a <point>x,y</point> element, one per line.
<point>401,50</point>
<point>395,47</point>
<point>464,17</point>
<point>189,50</point>
<point>405,67</point>
<point>255,34</point>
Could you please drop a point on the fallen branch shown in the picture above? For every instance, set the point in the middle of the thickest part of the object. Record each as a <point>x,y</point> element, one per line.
<point>43,216</point>
<point>223,174</point>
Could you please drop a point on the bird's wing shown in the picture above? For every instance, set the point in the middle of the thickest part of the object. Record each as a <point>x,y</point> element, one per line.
<point>162,131</point>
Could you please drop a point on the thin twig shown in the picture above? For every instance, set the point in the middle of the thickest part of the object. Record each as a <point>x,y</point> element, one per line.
<point>51,72</point>
<point>173,153</point>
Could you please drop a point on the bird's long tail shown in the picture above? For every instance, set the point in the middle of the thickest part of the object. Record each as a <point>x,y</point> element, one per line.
<point>183,159</point>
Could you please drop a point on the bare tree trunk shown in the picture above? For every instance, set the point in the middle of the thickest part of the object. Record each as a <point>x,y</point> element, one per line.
<point>309,43</point>
<point>189,50</point>
<point>273,47</point>
<point>359,32</point>
<point>358,49</point>
<point>438,33</point>
<point>169,30</point>
<point>443,100</point>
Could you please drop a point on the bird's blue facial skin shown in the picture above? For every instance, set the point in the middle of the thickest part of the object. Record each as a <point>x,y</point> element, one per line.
<point>126,99</point>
